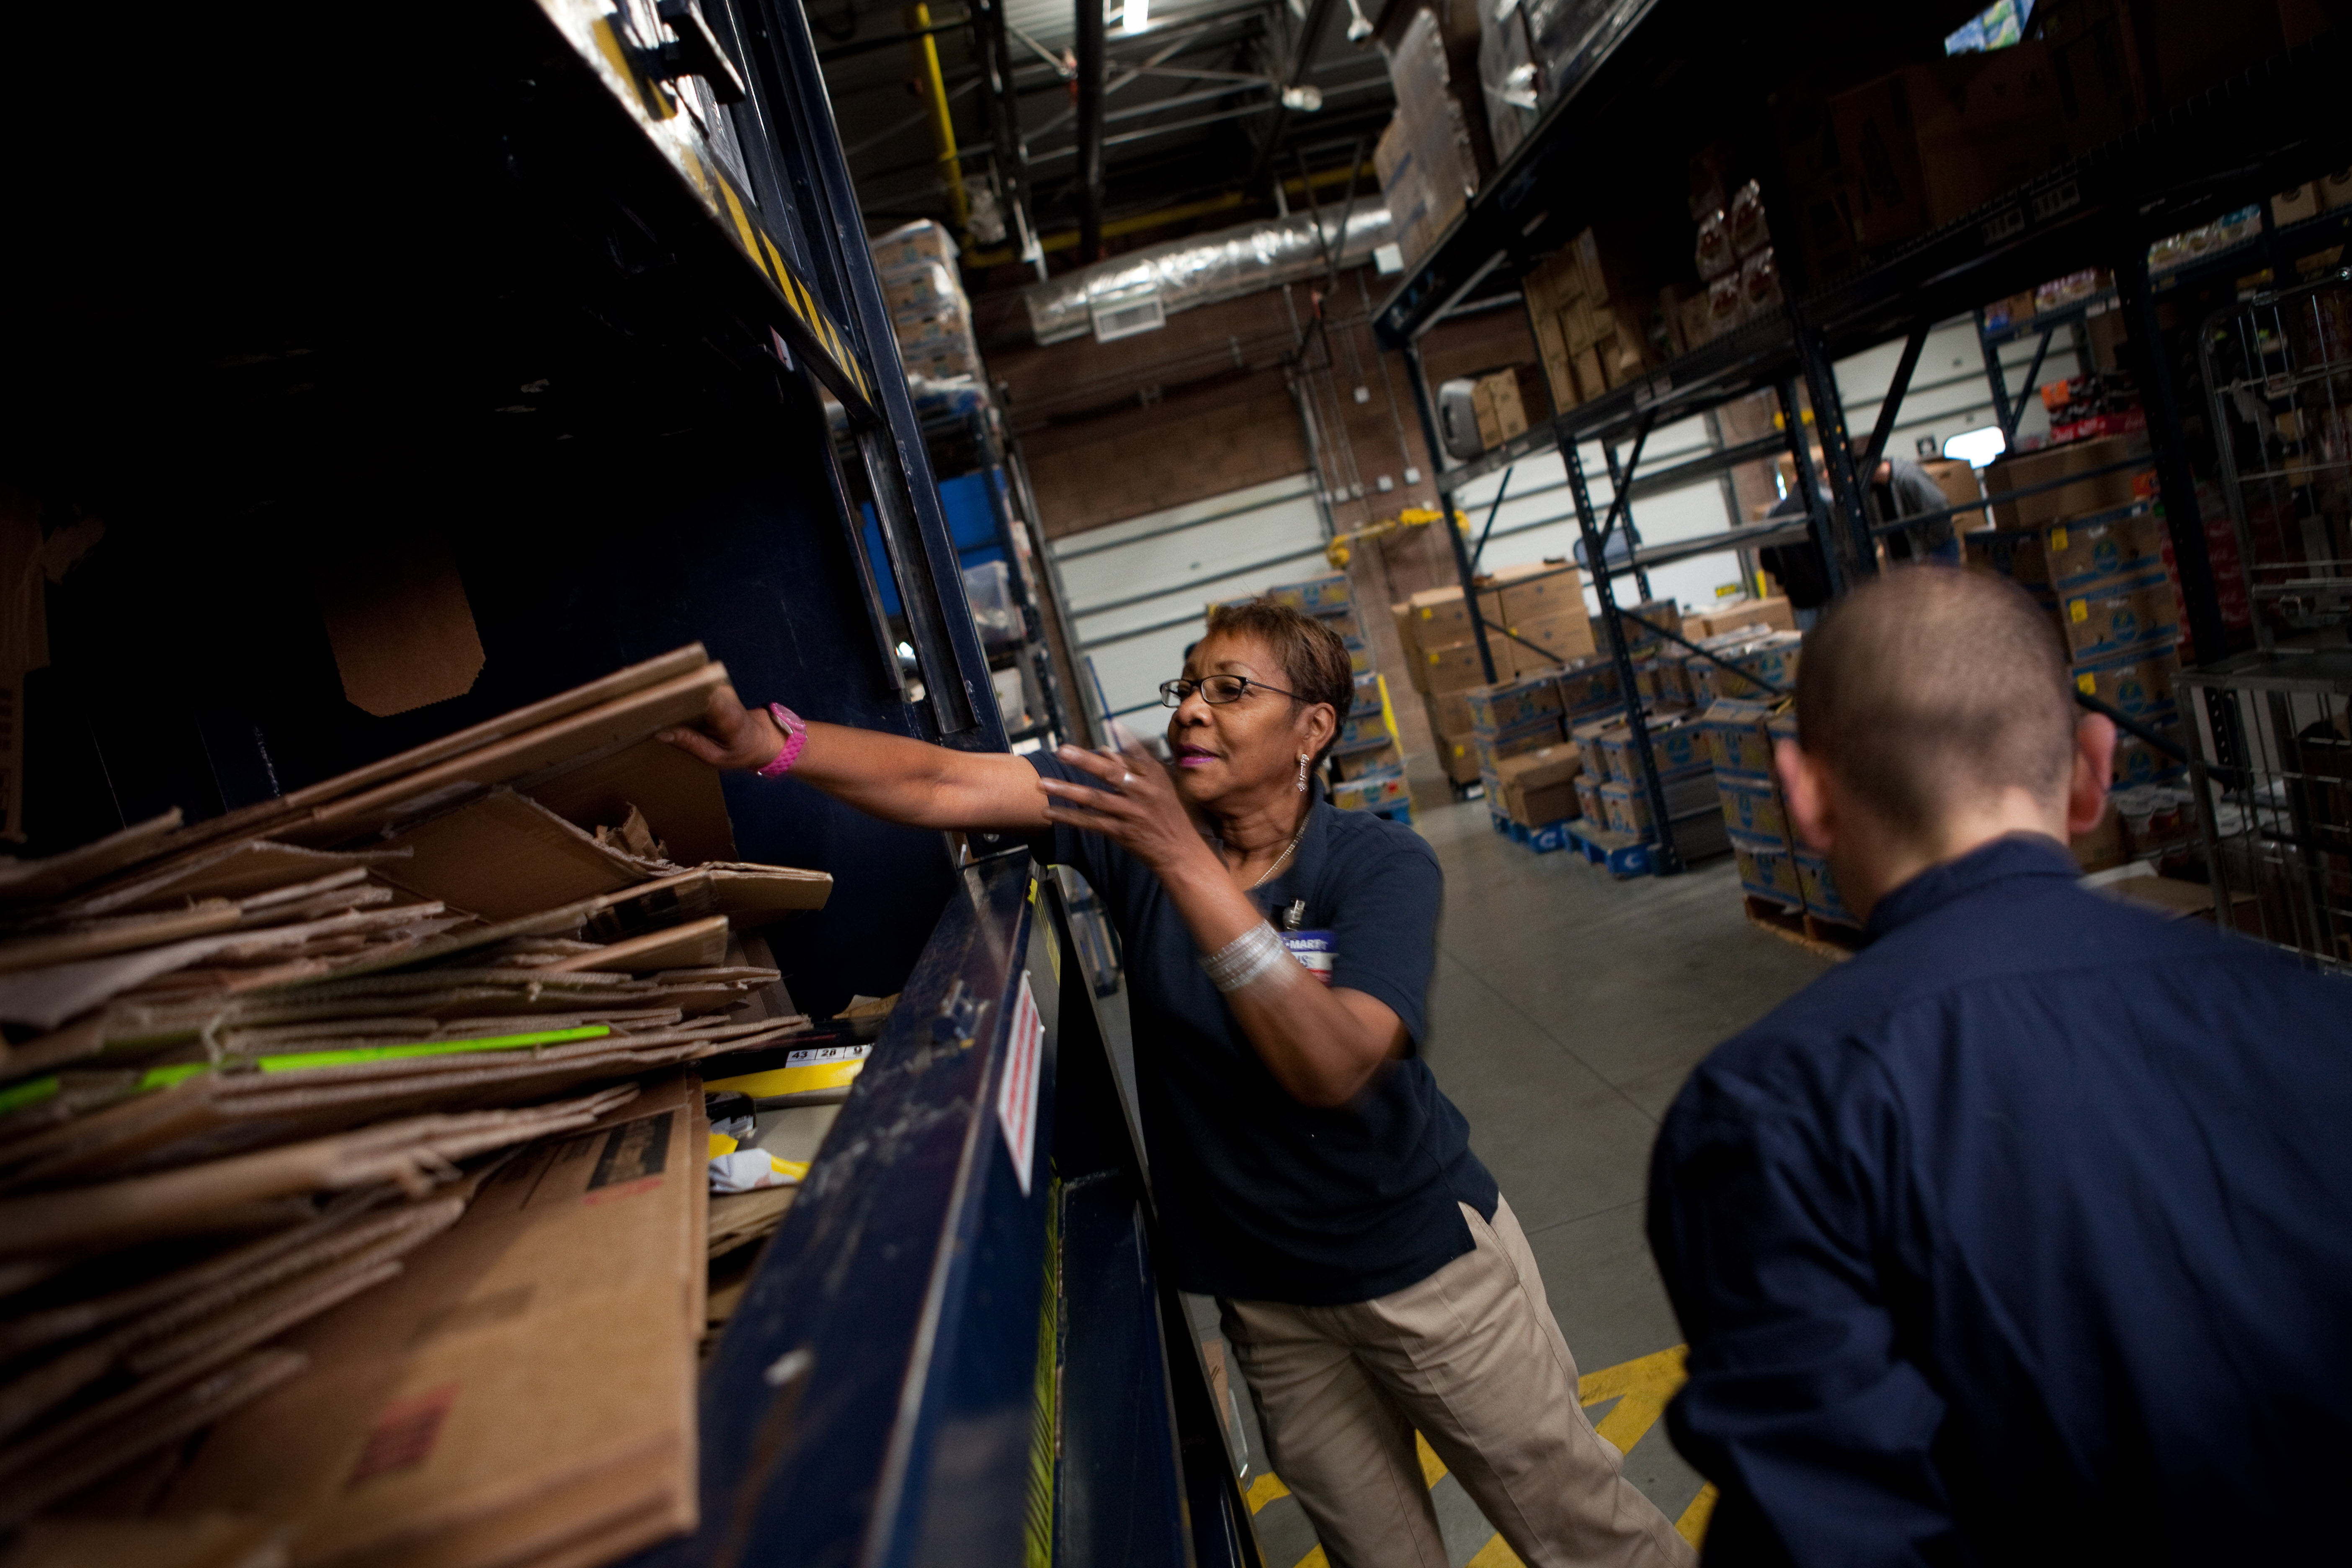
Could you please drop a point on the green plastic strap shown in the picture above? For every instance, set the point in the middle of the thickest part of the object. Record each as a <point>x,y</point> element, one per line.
<point>296,1061</point>
<point>31,1092</point>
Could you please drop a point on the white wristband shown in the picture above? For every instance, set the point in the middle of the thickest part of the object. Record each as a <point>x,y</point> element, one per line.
<point>1246,959</point>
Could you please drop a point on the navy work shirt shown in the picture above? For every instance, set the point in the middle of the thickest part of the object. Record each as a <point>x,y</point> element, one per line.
<point>1260,1197</point>
<point>2025,1235</point>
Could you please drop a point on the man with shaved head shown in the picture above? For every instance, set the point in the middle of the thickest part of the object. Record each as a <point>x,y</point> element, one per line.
<point>2025,1234</point>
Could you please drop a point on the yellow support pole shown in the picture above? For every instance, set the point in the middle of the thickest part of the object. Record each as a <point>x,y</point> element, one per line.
<point>943,137</point>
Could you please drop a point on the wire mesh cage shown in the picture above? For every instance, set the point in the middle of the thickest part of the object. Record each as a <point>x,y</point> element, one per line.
<point>2279,369</point>
<point>2274,764</point>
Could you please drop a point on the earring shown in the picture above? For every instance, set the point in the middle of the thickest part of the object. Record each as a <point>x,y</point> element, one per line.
<point>1302,772</point>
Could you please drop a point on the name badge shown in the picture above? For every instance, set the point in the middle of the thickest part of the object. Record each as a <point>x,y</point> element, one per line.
<point>1315,950</point>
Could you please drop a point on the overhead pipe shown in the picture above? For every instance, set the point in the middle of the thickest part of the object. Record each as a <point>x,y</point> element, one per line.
<point>1090,127</point>
<point>1302,61</point>
<point>1205,269</point>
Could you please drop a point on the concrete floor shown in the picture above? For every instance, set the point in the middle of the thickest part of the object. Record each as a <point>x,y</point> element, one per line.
<point>1566,1010</point>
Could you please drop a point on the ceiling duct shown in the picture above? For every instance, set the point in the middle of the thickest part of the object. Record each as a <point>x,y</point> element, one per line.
<point>1201,271</point>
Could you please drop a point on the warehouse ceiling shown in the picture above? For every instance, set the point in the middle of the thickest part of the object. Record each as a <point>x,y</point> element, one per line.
<point>1195,129</point>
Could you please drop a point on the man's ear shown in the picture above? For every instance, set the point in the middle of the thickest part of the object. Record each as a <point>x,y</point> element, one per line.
<point>2095,766</point>
<point>1806,789</point>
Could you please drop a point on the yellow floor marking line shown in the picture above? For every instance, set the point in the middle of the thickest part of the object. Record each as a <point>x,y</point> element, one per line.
<point>1433,1468</point>
<point>1642,1388</point>
<point>1495,1553</point>
<point>1692,1526</point>
<point>1664,1367</point>
<point>1636,1414</point>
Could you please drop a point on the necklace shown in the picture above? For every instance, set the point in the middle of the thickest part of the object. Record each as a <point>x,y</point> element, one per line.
<point>1284,858</point>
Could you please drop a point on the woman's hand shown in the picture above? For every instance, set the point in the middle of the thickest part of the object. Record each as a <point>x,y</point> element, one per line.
<point>729,735</point>
<point>1139,811</point>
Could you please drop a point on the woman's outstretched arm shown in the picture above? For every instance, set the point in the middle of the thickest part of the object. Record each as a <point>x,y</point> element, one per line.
<point>889,776</point>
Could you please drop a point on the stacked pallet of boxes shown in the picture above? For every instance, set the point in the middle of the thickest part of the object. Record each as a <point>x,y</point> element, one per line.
<point>1533,775</point>
<point>1367,755</point>
<point>1787,885</point>
<point>2094,552</point>
<point>1593,316</point>
<point>1536,622</point>
<point>929,311</point>
<point>1426,159</point>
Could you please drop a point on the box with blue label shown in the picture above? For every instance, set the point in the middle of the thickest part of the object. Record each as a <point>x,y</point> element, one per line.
<point>1344,621</point>
<point>1517,741</point>
<point>1768,870</point>
<point>1317,595</point>
<point>2113,553</point>
<point>1590,686</point>
<point>1588,799</point>
<point>2139,685</point>
<point>1771,660</point>
<point>1357,733</point>
<point>1738,738</point>
<point>1360,655</point>
<point>1373,794</point>
<point>1587,738</point>
<point>1820,888</point>
<point>1752,809</point>
<point>1507,703</point>
<point>2103,624</point>
<point>1367,695</point>
<point>1679,748</point>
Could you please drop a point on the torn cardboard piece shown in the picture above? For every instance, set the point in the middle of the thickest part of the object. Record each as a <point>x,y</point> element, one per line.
<point>401,625</point>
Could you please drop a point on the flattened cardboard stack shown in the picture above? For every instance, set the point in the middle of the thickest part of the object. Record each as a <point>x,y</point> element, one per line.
<point>353,1128</point>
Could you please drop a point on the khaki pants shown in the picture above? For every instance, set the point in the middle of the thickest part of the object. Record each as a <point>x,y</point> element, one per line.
<point>1471,1357</point>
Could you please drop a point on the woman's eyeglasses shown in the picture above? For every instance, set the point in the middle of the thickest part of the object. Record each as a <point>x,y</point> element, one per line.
<point>1217,689</point>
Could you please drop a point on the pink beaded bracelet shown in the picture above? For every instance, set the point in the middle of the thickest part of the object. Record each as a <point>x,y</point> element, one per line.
<point>795,730</point>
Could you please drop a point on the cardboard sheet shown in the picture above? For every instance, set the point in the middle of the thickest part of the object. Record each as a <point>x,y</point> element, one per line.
<point>401,625</point>
<point>524,1391</point>
<point>413,1154</point>
<point>504,856</point>
<point>27,881</point>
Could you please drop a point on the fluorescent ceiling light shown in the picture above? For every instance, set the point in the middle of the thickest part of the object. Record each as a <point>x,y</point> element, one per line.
<point>1136,15</point>
<point>1976,447</point>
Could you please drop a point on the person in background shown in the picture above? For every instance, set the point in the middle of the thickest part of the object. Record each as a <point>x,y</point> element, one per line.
<point>1900,488</point>
<point>1800,570</point>
<point>2020,1236</point>
<point>1305,1169</point>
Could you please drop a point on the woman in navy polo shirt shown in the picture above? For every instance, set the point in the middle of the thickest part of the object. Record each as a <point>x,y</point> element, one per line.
<point>1308,1172</point>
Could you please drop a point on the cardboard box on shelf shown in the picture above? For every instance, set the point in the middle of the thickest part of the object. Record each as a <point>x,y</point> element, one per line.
<point>1752,809</point>
<point>1519,740</point>
<point>1546,644</point>
<point>1449,715</point>
<point>2105,623</point>
<point>1586,738</point>
<point>1820,888</point>
<point>2113,553</point>
<point>1588,799</point>
<point>2095,494</point>
<point>1773,614</point>
<point>1538,787</point>
<point>1317,596</point>
<point>1507,704</point>
<point>1346,622</point>
<point>1771,657</point>
<point>1590,685</point>
<point>1538,591</point>
<point>1375,792</point>
<point>1459,757</point>
<point>2137,685</point>
<point>1453,668</point>
<point>1400,616</point>
<point>1679,747</point>
<point>1356,733</point>
<point>1768,870</point>
<point>1738,738</point>
<point>1441,618</point>
<point>1353,765</point>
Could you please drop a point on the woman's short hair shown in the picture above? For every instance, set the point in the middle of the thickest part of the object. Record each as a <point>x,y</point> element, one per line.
<point>1313,658</point>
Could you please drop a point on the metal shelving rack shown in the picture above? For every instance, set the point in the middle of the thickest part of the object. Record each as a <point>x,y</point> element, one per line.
<point>2270,129</point>
<point>971,443</point>
<point>565,294</point>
